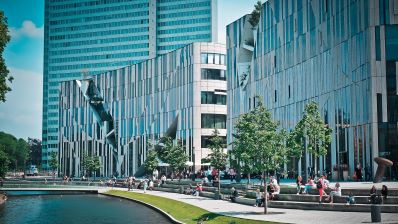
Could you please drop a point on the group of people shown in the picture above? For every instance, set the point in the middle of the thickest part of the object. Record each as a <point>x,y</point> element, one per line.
<point>378,198</point>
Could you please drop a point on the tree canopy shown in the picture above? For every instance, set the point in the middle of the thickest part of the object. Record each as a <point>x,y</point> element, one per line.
<point>16,150</point>
<point>217,157</point>
<point>4,39</point>
<point>91,164</point>
<point>255,15</point>
<point>53,162</point>
<point>310,133</point>
<point>173,154</point>
<point>151,161</point>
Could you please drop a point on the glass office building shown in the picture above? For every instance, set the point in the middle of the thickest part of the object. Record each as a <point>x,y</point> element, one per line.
<point>342,55</point>
<point>87,37</point>
<point>181,94</point>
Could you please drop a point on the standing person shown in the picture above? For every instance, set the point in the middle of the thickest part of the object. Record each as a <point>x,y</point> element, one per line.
<point>145,185</point>
<point>358,172</point>
<point>258,198</point>
<point>155,174</point>
<point>335,192</point>
<point>299,184</point>
<point>130,183</point>
<point>231,174</point>
<point>372,195</point>
<point>321,187</point>
<point>163,179</point>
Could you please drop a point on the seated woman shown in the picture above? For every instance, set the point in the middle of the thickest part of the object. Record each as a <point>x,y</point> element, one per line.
<point>335,192</point>
<point>309,185</point>
<point>234,194</point>
<point>299,184</point>
<point>350,199</point>
<point>272,191</point>
<point>384,192</point>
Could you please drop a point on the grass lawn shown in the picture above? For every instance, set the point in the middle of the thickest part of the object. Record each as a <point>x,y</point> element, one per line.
<point>182,211</point>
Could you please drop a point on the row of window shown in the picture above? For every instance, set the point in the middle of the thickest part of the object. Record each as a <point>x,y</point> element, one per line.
<point>170,47</point>
<point>210,58</point>
<point>100,49</point>
<point>182,14</point>
<point>87,3</point>
<point>206,141</point>
<point>212,121</point>
<point>100,25</point>
<point>184,38</point>
<point>212,98</point>
<point>184,6</point>
<point>184,30</point>
<point>99,57</point>
<point>99,18</point>
<point>95,65</point>
<point>100,33</point>
<point>99,10</point>
<point>185,22</point>
<point>100,41</point>
<point>212,74</point>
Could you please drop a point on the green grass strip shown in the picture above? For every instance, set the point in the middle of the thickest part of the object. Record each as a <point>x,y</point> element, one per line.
<point>182,211</point>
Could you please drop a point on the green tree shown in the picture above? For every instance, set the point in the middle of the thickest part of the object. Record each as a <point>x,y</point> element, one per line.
<point>242,154</point>
<point>4,162</point>
<point>217,157</point>
<point>53,162</point>
<point>91,164</point>
<point>262,140</point>
<point>4,39</point>
<point>255,15</point>
<point>17,150</point>
<point>311,134</point>
<point>151,161</point>
<point>173,154</point>
<point>34,151</point>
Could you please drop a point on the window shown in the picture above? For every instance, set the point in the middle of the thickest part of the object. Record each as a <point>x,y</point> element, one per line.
<point>206,141</point>
<point>213,74</point>
<point>212,98</point>
<point>276,96</point>
<point>210,59</point>
<point>289,91</point>
<point>212,121</point>
<point>217,59</point>
<point>204,58</point>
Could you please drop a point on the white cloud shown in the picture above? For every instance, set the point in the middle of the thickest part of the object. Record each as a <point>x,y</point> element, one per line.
<point>28,29</point>
<point>21,114</point>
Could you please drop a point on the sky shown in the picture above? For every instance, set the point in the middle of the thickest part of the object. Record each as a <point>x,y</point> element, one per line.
<point>20,115</point>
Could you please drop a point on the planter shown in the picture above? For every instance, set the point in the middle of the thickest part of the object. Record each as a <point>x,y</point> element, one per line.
<point>375,211</point>
<point>345,175</point>
<point>336,175</point>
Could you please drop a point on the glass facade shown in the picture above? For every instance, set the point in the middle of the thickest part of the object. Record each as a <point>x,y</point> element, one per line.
<point>333,53</point>
<point>114,114</point>
<point>84,38</point>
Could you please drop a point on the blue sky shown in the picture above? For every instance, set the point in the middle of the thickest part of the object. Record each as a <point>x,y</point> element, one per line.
<point>21,114</point>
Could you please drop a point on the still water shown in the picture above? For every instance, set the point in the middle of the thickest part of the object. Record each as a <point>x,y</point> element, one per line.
<point>75,209</point>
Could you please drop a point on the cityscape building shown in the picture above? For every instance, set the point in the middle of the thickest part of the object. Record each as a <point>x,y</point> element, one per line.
<point>116,114</point>
<point>342,55</point>
<point>88,37</point>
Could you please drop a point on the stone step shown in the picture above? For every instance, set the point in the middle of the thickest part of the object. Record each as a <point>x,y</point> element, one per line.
<point>386,208</point>
<point>336,199</point>
<point>331,207</point>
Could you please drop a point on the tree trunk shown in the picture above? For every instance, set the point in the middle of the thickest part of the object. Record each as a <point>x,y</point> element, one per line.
<point>315,166</point>
<point>265,195</point>
<point>219,184</point>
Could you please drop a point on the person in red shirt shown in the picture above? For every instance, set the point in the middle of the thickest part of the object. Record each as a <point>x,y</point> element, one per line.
<point>321,187</point>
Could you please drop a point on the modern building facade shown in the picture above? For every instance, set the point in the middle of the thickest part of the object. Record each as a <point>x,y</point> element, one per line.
<point>94,36</point>
<point>181,94</point>
<point>342,55</point>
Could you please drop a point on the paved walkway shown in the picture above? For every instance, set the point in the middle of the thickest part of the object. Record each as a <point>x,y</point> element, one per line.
<point>275,214</point>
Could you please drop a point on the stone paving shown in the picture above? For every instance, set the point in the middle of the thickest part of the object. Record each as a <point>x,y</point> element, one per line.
<point>277,215</point>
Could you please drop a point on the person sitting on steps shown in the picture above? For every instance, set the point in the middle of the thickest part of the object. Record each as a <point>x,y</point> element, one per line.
<point>234,194</point>
<point>335,192</point>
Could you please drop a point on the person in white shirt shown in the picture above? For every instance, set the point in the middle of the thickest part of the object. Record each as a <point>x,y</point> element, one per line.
<point>335,192</point>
